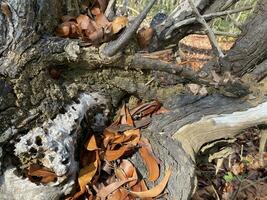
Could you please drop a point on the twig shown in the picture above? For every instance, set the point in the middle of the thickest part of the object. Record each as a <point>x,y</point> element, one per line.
<point>215,46</point>
<point>206,17</point>
<point>144,63</point>
<point>234,35</point>
<point>109,13</point>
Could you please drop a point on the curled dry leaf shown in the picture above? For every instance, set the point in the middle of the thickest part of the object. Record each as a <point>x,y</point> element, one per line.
<point>111,155</point>
<point>119,23</point>
<point>68,29</point>
<point>86,174</point>
<point>154,191</point>
<point>145,109</point>
<point>126,117</point>
<point>39,174</point>
<point>140,187</point>
<point>108,137</point>
<point>83,21</point>
<point>151,164</point>
<point>119,194</point>
<point>104,192</point>
<point>100,18</point>
<point>125,171</point>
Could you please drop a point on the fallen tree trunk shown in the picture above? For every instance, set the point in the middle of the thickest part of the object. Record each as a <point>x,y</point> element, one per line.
<point>41,74</point>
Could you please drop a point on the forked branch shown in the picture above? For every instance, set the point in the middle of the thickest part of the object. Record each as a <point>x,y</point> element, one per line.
<point>215,46</point>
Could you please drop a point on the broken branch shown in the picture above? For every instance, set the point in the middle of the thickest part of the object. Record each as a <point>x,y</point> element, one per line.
<point>215,46</point>
<point>206,17</point>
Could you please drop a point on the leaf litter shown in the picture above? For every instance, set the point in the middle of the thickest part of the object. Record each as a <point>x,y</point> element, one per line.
<point>92,26</point>
<point>106,171</point>
<point>242,174</point>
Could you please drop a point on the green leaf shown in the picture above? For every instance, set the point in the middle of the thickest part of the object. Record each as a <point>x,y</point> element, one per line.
<point>229,177</point>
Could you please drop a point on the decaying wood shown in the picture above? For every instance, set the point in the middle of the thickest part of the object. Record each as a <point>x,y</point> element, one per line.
<point>211,128</point>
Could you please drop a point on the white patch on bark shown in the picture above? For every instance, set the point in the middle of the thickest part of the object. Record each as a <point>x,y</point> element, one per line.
<point>53,145</point>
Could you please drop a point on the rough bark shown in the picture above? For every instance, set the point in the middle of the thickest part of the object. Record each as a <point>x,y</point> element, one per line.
<point>250,49</point>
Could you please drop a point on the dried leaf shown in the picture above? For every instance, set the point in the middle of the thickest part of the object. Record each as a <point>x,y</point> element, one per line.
<point>139,187</point>
<point>119,194</point>
<point>145,109</point>
<point>156,190</point>
<point>111,155</point>
<point>119,23</point>
<point>104,192</point>
<point>91,144</point>
<point>151,164</point>
<point>39,174</point>
<point>84,22</point>
<point>100,18</point>
<point>144,37</point>
<point>86,174</point>
<point>96,36</point>
<point>125,171</point>
<point>126,117</point>
<point>68,29</point>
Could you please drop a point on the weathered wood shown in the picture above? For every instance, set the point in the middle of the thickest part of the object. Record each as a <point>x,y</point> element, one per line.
<point>250,48</point>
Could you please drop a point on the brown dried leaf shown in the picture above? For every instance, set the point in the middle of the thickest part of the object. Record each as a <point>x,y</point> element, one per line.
<point>83,21</point>
<point>91,144</point>
<point>126,117</point>
<point>119,194</point>
<point>156,190</point>
<point>86,174</point>
<point>100,18</point>
<point>103,4</point>
<point>68,29</point>
<point>145,109</point>
<point>104,192</point>
<point>140,187</point>
<point>111,155</point>
<point>151,164</point>
<point>97,36</point>
<point>144,37</point>
<point>119,23</point>
<point>125,171</point>
<point>39,174</point>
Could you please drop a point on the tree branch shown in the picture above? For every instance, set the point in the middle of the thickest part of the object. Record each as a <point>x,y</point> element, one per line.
<point>215,46</point>
<point>209,16</point>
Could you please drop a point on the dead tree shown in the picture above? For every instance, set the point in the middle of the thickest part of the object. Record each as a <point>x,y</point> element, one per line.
<point>40,75</point>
